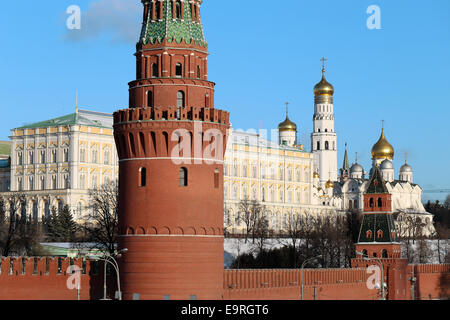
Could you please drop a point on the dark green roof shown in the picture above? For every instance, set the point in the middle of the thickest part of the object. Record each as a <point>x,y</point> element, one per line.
<point>172,30</point>
<point>5,148</point>
<point>375,222</point>
<point>377,184</point>
<point>67,120</point>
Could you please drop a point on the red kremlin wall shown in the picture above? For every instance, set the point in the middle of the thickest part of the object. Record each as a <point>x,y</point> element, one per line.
<point>48,280</point>
<point>37,281</point>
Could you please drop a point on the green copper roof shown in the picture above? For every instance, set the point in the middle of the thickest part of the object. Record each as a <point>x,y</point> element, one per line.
<point>376,184</point>
<point>172,30</point>
<point>67,120</point>
<point>375,223</point>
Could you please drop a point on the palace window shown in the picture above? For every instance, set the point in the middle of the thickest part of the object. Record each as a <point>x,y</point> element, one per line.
<point>83,155</point>
<point>42,156</point>
<point>106,157</point>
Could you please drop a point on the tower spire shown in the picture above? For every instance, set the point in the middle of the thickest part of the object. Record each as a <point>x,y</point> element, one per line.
<point>346,163</point>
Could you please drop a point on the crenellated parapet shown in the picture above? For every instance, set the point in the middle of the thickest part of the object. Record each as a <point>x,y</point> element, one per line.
<point>171,113</point>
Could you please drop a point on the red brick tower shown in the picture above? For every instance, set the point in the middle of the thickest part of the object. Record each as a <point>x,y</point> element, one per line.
<point>171,143</point>
<point>378,237</point>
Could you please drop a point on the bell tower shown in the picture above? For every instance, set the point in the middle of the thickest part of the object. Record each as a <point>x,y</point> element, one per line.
<point>171,143</point>
<point>324,138</point>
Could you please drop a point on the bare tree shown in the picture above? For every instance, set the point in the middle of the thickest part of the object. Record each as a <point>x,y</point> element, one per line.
<point>251,214</point>
<point>19,235</point>
<point>441,235</point>
<point>294,231</point>
<point>102,221</point>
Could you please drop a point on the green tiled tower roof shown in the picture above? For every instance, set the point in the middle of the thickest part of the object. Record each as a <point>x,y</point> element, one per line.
<point>375,223</point>
<point>170,29</point>
<point>377,184</point>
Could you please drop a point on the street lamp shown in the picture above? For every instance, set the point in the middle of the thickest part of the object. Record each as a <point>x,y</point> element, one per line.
<point>366,258</point>
<point>301,271</point>
<point>108,258</point>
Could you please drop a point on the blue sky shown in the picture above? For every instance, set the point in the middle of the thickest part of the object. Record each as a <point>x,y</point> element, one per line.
<point>263,53</point>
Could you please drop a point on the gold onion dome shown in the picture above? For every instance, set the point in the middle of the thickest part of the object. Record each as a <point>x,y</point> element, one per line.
<point>382,149</point>
<point>323,88</point>
<point>329,184</point>
<point>316,175</point>
<point>287,125</point>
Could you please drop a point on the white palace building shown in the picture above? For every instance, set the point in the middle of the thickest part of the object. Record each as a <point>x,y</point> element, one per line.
<point>56,162</point>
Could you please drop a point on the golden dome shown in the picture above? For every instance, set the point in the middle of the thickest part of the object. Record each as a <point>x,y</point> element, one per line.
<point>287,125</point>
<point>323,88</point>
<point>316,175</point>
<point>329,184</point>
<point>382,149</point>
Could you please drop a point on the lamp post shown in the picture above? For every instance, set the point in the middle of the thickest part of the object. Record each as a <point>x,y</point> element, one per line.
<point>108,258</point>
<point>301,272</point>
<point>383,297</point>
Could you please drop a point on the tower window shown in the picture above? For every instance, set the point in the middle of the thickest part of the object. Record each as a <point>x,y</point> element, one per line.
<point>198,72</point>
<point>216,179</point>
<point>371,202</point>
<point>318,145</point>
<point>379,234</point>
<point>178,9</point>
<point>180,99</point>
<point>327,145</point>
<point>142,177</point>
<point>369,234</point>
<point>380,203</point>
<point>384,253</point>
<point>178,70</point>
<point>150,99</point>
<point>154,70</point>
<point>183,175</point>
<point>158,10</point>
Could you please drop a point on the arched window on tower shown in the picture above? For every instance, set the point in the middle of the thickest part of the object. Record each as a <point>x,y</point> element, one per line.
<point>154,70</point>
<point>384,253</point>
<point>180,99</point>
<point>198,72</point>
<point>371,202</point>
<point>380,203</point>
<point>178,70</point>
<point>150,99</point>
<point>183,175</point>
<point>327,145</point>
<point>318,145</point>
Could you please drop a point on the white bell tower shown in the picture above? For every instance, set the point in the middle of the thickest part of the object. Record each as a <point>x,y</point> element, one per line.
<point>324,138</point>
